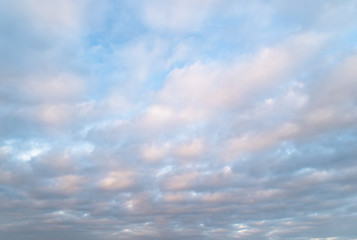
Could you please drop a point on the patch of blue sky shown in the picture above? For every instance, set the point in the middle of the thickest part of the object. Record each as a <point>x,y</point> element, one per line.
<point>25,150</point>
<point>120,25</point>
<point>342,43</point>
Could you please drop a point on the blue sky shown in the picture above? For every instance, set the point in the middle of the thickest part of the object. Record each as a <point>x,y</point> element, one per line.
<point>198,119</point>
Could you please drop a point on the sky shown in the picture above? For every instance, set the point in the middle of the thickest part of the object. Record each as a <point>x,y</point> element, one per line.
<point>178,119</point>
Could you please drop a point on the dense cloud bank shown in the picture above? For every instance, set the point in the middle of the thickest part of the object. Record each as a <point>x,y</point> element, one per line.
<point>178,119</point>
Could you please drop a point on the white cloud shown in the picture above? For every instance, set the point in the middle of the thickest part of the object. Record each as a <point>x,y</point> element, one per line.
<point>229,84</point>
<point>54,88</point>
<point>163,117</point>
<point>190,150</point>
<point>154,152</point>
<point>181,181</point>
<point>332,104</point>
<point>261,140</point>
<point>117,180</point>
<point>53,115</point>
<point>197,119</point>
<point>55,15</point>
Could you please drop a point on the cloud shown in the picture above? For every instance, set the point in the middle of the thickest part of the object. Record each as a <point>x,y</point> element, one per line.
<point>53,89</point>
<point>117,180</point>
<point>181,181</point>
<point>177,120</point>
<point>69,184</point>
<point>190,150</point>
<point>227,84</point>
<point>154,153</point>
<point>176,16</point>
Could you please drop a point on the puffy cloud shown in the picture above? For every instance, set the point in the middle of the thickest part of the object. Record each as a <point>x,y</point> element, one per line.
<point>154,153</point>
<point>177,120</point>
<point>117,180</point>
<point>69,184</point>
<point>190,150</point>
<point>53,88</point>
<point>181,181</point>
<point>210,86</point>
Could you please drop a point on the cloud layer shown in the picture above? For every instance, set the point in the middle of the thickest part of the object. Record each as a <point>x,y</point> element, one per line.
<point>178,120</point>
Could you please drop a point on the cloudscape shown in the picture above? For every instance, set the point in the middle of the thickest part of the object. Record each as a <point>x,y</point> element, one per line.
<point>178,119</point>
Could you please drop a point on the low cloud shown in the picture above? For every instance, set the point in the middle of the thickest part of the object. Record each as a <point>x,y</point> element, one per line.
<point>177,120</point>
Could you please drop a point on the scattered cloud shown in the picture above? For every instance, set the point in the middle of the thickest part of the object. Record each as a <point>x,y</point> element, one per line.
<point>178,120</point>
